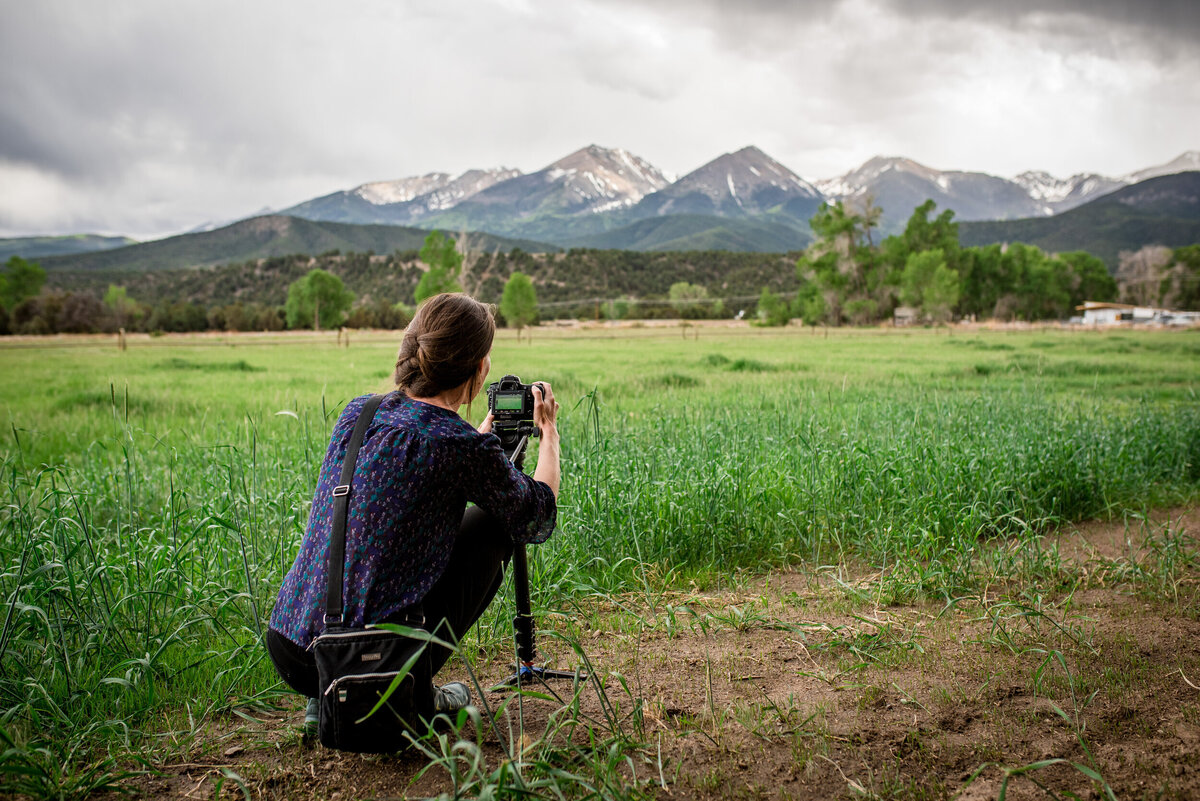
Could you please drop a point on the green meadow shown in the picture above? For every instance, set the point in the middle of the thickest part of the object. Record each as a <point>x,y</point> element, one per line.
<point>153,498</point>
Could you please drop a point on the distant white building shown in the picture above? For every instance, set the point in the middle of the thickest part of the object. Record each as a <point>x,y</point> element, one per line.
<point>905,315</point>
<point>1096,313</point>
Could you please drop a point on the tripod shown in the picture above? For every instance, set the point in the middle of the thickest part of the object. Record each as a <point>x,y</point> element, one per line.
<point>523,627</point>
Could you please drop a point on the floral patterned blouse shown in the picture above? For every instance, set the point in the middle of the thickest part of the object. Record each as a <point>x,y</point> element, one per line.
<point>417,468</point>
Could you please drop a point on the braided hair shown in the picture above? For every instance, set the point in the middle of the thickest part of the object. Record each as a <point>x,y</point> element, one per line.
<point>443,345</point>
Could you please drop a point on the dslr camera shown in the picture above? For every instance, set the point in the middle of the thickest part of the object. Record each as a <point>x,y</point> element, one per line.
<point>511,405</point>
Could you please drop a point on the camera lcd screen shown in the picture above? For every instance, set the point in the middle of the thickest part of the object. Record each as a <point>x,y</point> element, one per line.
<point>513,402</point>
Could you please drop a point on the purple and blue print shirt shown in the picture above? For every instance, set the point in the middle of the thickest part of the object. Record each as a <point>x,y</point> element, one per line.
<point>417,468</point>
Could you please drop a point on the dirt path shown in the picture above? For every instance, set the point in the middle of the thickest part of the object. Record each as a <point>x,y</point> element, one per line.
<point>805,684</point>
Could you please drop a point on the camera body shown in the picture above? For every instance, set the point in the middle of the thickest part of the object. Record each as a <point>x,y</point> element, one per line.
<point>511,405</point>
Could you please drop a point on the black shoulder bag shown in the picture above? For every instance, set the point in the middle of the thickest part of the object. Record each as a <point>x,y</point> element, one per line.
<point>367,677</point>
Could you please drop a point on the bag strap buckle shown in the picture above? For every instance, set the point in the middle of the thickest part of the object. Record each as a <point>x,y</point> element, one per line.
<point>340,490</point>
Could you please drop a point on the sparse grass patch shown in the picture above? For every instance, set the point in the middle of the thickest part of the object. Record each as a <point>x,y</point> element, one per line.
<point>239,366</point>
<point>751,366</point>
<point>670,381</point>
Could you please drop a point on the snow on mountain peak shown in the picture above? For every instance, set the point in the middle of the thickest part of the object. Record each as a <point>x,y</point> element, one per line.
<point>436,190</point>
<point>858,181</point>
<point>605,178</point>
<point>470,183</point>
<point>402,190</point>
<point>1043,186</point>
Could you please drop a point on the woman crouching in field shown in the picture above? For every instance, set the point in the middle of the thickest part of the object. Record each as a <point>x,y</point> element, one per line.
<point>415,554</point>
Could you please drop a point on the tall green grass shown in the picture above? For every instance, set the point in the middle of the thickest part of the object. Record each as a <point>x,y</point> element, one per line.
<point>925,478</point>
<point>143,537</point>
<point>138,580</point>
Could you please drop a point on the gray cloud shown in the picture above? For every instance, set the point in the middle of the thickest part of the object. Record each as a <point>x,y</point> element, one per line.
<point>1168,20</point>
<point>143,117</point>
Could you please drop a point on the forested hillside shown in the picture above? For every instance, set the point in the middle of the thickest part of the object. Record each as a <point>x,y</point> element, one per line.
<point>261,238</point>
<point>575,275</point>
<point>1159,211</point>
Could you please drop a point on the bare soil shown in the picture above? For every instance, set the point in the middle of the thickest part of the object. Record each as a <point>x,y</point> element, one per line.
<point>800,685</point>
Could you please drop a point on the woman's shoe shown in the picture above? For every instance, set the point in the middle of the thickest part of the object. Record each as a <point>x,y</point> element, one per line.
<point>312,714</point>
<point>451,697</point>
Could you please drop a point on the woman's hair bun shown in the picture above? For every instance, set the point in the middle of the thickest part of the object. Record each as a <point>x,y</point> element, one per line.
<point>443,345</point>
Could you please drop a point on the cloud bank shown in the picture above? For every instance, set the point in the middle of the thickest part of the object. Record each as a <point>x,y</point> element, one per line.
<point>149,118</point>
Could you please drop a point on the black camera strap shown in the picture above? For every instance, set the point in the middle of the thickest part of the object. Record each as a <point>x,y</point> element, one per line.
<point>341,508</point>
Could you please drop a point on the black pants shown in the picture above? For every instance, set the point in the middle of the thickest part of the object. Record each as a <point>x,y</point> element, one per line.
<point>452,605</point>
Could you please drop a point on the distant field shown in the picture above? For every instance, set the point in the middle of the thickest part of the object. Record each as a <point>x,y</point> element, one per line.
<point>154,497</point>
<point>633,368</point>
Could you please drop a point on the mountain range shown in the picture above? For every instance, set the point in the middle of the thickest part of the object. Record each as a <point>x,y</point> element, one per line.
<point>591,196</point>
<point>601,195</point>
<point>611,199</point>
<point>1163,210</point>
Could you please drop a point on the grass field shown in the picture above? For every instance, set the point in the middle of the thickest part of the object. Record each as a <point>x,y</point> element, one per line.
<point>876,498</point>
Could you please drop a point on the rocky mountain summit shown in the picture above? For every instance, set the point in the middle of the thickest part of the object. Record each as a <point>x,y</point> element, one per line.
<point>589,181</point>
<point>744,183</point>
<point>1060,194</point>
<point>1188,161</point>
<point>382,193</point>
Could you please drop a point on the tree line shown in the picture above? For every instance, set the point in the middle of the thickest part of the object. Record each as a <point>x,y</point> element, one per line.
<point>847,277</point>
<point>317,300</point>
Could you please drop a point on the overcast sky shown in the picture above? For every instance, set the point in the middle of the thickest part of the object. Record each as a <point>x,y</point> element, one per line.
<point>150,117</point>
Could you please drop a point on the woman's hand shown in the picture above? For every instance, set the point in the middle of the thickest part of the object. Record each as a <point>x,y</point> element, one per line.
<point>545,407</point>
<point>545,412</point>
<point>486,426</point>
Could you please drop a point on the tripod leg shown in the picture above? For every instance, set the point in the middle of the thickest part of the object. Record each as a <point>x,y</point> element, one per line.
<point>523,624</point>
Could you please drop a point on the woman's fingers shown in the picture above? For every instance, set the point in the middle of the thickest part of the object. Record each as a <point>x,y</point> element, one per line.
<point>545,407</point>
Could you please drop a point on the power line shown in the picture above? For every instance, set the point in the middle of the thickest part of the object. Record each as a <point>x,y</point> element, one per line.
<point>659,301</point>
